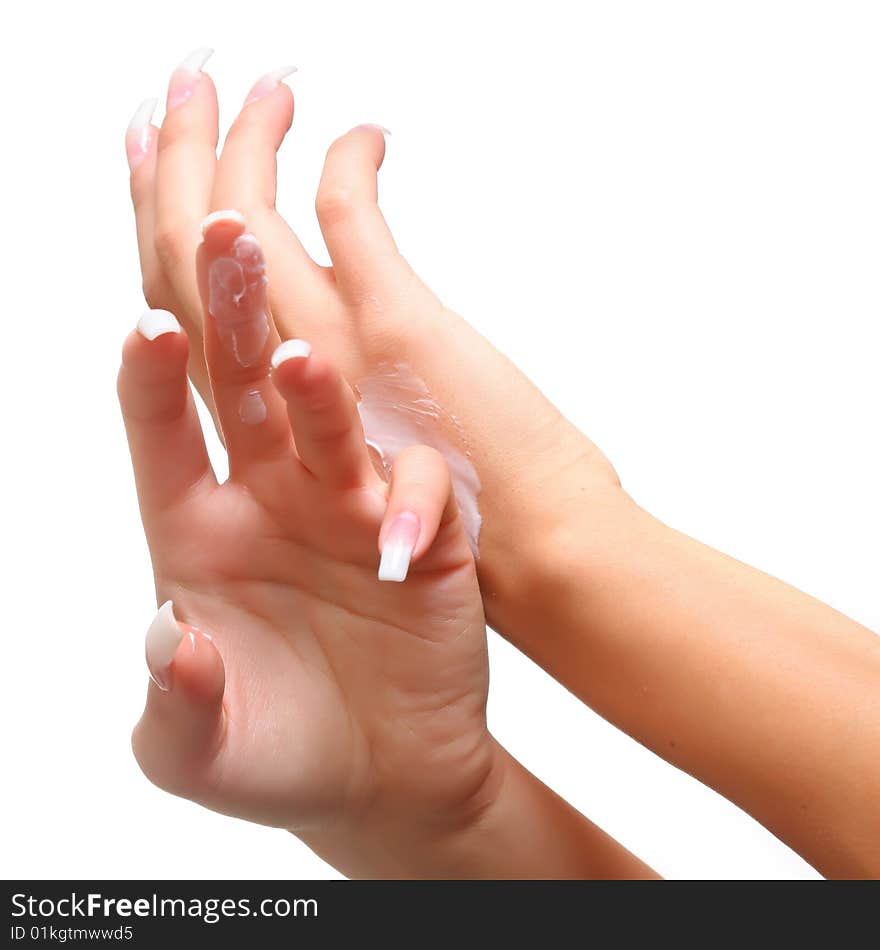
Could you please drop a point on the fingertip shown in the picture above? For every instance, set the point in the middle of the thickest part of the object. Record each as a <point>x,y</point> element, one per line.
<point>271,100</point>
<point>293,363</point>
<point>223,226</point>
<point>157,345</point>
<point>182,726</point>
<point>421,493</point>
<point>155,323</point>
<point>375,137</point>
<point>197,670</point>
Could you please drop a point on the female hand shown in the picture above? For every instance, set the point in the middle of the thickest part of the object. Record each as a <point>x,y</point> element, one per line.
<point>292,687</point>
<point>365,312</point>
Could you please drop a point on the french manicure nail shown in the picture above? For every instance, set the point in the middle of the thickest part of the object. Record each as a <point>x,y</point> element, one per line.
<point>373,127</point>
<point>398,546</point>
<point>163,638</point>
<point>185,78</point>
<point>154,323</point>
<point>290,350</point>
<point>219,217</point>
<point>268,83</point>
<point>140,132</point>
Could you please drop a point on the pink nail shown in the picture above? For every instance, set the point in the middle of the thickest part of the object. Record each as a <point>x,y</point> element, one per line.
<point>140,133</point>
<point>398,546</point>
<point>268,83</point>
<point>372,127</point>
<point>186,77</point>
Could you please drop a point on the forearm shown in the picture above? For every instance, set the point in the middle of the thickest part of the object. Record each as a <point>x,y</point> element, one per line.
<point>517,828</point>
<point>758,690</point>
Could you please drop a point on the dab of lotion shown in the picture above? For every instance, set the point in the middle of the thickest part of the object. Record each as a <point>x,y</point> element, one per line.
<point>251,409</point>
<point>398,411</point>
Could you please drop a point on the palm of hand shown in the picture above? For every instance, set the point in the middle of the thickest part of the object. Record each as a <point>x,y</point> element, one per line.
<point>337,686</point>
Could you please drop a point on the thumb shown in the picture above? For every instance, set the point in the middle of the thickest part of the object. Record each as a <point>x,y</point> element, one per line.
<point>181,728</point>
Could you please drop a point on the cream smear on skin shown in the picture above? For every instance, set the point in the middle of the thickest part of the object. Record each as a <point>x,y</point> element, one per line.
<point>237,298</point>
<point>398,411</point>
<point>251,408</point>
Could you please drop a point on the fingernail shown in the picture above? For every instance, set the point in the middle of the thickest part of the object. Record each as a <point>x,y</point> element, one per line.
<point>372,126</point>
<point>140,132</point>
<point>290,350</point>
<point>218,217</point>
<point>154,323</point>
<point>398,546</point>
<point>268,83</point>
<point>163,638</point>
<point>185,78</point>
<point>237,296</point>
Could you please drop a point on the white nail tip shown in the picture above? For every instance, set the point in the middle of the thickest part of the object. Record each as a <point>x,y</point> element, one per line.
<point>196,60</point>
<point>163,638</point>
<point>278,74</point>
<point>217,217</point>
<point>394,563</point>
<point>290,350</point>
<point>143,115</point>
<point>156,322</point>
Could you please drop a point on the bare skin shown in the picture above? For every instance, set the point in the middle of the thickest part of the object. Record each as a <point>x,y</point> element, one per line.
<point>305,693</point>
<point>756,689</point>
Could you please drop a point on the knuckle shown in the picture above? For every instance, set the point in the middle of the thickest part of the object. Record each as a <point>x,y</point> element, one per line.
<point>179,126</point>
<point>242,129</point>
<point>174,245</point>
<point>153,288</point>
<point>334,203</point>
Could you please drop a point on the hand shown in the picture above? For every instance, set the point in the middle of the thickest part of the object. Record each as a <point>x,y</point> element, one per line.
<point>292,687</point>
<point>369,308</point>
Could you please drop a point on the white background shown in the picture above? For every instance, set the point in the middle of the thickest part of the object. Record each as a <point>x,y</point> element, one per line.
<point>665,213</point>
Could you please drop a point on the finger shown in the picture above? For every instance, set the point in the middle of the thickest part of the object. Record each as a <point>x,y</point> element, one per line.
<point>421,505</point>
<point>164,434</point>
<point>239,339</point>
<point>323,416</point>
<point>140,150</point>
<point>185,164</point>
<point>140,145</point>
<point>182,726</point>
<point>361,247</point>
<point>246,179</point>
<point>248,166</point>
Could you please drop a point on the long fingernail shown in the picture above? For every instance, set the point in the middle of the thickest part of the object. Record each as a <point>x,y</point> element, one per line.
<point>373,127</point>
<point>237,293</point>
<point>398,546</point>
<point>163,638</point>
<point>185,78</point>
<point>140,133</point>
<point>154,323</point>
<point>290,350</point>
<point>268,83</point>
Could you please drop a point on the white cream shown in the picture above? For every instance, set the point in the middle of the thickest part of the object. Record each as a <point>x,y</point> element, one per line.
<point>237,298</point>
<point>398,411</point>
<point>251,408</point>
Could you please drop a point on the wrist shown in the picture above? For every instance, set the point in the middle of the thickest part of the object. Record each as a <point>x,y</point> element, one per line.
<point>401,837</point>
<point>559,530</point>
<point>514,827</point>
